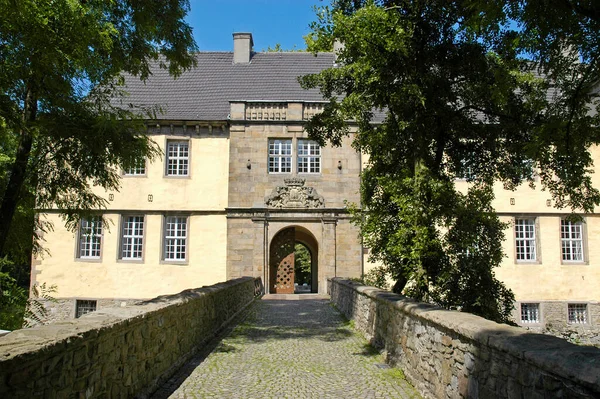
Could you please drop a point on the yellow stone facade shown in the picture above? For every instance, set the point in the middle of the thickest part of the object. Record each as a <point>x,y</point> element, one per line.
<point>201,197</point>
<point>230,228</point>
<point>234,208</point>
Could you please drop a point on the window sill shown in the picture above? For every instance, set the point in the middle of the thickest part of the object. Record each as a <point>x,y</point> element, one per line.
<point>574,263</point>
<point>134,176</point>
<point>174,262</point>
<point>138,261</point>
<point>536,324</point>
<point>89,260</point>
<point>177,176</point>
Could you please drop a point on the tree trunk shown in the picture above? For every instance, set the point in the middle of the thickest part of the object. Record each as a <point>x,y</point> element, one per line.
<point>18,172</point>
<point>399,284</point>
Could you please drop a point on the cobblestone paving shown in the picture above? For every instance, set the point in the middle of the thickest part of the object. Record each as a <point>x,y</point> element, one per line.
<point>289,349</point>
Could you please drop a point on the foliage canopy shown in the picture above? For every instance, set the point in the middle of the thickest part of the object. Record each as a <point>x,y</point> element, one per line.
<point>302,264</point>
<point>63,123</point>
<point>61,64</point>
<point>447,89</point>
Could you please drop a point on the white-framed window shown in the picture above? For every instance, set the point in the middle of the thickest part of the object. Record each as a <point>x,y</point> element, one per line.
<point>525,244</point>
<point>472,250</point>
<point>571,237</point>
<point>175,238</point>
<point>90,238</point>
<point>84,306</point>
<point>466,171</point>
<point>178,157</point>
<point>527,169</point>
<point>530,313</point>
<point>132,237</point>
<point>577,313</point>
<point>280,156</point>
<point>309,156</point>
<point>138,168</point>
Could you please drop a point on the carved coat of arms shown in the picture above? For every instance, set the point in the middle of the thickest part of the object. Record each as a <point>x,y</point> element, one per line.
<point>294,195</point>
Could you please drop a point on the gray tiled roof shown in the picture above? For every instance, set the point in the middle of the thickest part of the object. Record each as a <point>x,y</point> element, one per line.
<point>204,92</point>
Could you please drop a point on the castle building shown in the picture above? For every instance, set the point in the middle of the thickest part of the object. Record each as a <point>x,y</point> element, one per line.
<point>240,184</point>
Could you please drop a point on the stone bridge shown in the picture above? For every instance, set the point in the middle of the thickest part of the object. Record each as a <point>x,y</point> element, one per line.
<point>227,340</point>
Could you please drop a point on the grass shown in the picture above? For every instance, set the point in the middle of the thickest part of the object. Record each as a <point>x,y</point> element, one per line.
<point>395,373</point>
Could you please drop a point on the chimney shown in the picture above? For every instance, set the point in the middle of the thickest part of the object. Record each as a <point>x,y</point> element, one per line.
<point>242,47</point>
<point>337,49</point>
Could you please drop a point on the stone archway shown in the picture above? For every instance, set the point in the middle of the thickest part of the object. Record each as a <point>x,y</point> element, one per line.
<point>281,259</point>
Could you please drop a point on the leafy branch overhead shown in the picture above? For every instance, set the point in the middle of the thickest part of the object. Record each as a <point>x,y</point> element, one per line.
<point>63,121</point>
<point>65,124</point>
<point>439,90</point>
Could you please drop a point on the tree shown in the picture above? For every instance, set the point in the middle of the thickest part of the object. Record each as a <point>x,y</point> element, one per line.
<point>302,264</point>
<point>17,308</point>
<point>61,123</point>
<point>454,92</point>
<point>13,299</point>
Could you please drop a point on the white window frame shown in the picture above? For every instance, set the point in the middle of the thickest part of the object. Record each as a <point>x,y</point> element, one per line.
<point>569,242</point>
<point>85,306</point>
<point>309,157</point>
<point>173,241</point>
<point>466,171</point>
<point>471,250</point>
<point>530,313</point>
<point>277,155</point>
<point>132,239</point>
<point>528,163</point>
<point>137,169</point>
<point>526,237</point>
<point>577,313</point>
<point>177,162</point>
<point>89,243</point>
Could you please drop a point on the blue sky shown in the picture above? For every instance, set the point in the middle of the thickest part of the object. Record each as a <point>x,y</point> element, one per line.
<point>269,21</point>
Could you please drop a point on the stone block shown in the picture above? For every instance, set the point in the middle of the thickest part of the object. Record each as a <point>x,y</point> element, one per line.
<point>51,364</point>
<point>446,340</point>
<point>23,376</point>
<point>463,385</point>
<point>514,389</point>
<point>469,361</point>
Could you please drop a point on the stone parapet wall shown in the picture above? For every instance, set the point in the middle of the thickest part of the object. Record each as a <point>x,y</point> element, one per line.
<point>459,355</point>
<point>118,352</point>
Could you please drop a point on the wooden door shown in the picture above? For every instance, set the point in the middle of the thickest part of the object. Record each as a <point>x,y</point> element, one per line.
<point>281,262</point>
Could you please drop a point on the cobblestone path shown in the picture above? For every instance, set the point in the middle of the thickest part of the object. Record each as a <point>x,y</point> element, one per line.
<point>289,349</point>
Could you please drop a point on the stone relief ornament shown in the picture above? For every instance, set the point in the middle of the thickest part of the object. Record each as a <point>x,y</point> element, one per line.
<point>294,195</point>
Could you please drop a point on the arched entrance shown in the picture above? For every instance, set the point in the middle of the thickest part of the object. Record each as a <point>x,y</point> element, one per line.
<point>288,274</point>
